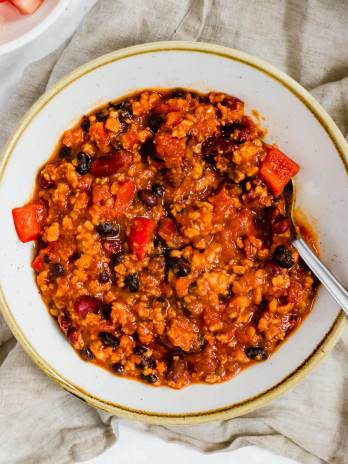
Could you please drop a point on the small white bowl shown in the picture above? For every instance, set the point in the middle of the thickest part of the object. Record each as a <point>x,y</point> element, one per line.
<point>17,30</point>
<point>295,121</point>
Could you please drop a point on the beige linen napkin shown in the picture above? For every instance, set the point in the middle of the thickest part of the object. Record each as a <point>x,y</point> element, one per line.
<point>39,421</point>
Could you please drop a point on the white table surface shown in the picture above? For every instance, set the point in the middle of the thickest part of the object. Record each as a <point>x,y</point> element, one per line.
<point>132,446</point>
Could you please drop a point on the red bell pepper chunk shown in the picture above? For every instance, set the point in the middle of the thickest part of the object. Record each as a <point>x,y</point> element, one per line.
<point>110,164</point>
<point>37,264</point>
<point>276,170</point>
<point>124,196</point>
<point>27,221</point>
<point>140,235</point>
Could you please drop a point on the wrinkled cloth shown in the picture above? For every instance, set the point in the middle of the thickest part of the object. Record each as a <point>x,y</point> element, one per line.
<point>39,421</point>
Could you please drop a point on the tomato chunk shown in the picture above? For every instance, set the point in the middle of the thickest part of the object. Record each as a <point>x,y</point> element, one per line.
<point>140,235</point>
<point>27,221</point>
<point>277,169</point>
<point>110,164</point>
<point>37,264</point>
<point>124,196</point>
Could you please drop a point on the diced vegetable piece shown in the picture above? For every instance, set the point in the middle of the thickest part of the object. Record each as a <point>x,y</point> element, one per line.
<point>110,164</point>
<point>37,264</point>
<point>100,136</point>
<point>27,221</point>
<point>124,196</point>
<point>276,170</point>
<point>140,235</point>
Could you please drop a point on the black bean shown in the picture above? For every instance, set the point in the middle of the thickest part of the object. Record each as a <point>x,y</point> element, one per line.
<point>147,197</point>
<point>124,109</point>
<point>84,163</point>
<point>257,353</point>
<point>180,266</point>
<point>46,258</point>
<point>283,257</point>
<point>158,190</point>
<point>101,115</point>
<point>148,149</point>
<point>86,354</point>
<point>150,363</point>
<point>152,378</point>
<point>117,258</point>
<point>224,298</point>
<point>105,311</point>
<point>140,350</point>
<point>108,229</point>
<point>65,152</point>
<point>203,98</point>
<point>210,160</point>
<point>161,248</point>
<point>76,255</point>
<point>85,124</point>
<point>117,368</point>
<point>56,270</point>
<point>227,130</point>
<point>246,184</point>
<point>104,277</point>
<point>178,93</point>
<point>155,121</point>
<point>108,339</point>
<point>131,281</point>
<point>116,144</point>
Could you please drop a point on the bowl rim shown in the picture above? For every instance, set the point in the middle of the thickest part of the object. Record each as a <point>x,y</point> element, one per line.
<point>329,340</point>
<point>36,31</point>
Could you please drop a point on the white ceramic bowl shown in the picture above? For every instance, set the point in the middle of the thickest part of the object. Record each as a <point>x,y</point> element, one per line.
<point>294,120</point>
<point>17,30</point>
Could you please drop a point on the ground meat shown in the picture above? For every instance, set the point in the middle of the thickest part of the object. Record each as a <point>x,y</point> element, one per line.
<point>163,254</point>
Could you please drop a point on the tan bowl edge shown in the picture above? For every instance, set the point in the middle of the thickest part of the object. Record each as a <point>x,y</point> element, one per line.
<point>318,353</point>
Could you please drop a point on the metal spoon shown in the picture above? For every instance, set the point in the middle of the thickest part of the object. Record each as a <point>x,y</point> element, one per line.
<point>334,287</point>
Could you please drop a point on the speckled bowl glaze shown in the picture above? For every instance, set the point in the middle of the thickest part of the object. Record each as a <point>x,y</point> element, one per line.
<point>295,121</point>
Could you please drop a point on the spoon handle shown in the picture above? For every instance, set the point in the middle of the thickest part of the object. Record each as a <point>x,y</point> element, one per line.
<point>335,288</point>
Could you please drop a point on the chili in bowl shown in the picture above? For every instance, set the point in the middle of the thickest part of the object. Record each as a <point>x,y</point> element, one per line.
<point>163,239</point>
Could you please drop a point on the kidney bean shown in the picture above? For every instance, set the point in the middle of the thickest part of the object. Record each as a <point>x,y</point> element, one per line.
<point>281,225</point>
<point>75,338</point>
<point>64,322</point>
<point>112,246</point>
<point>272,267</point>
<point>86,304</point>
<point>147,197</point>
